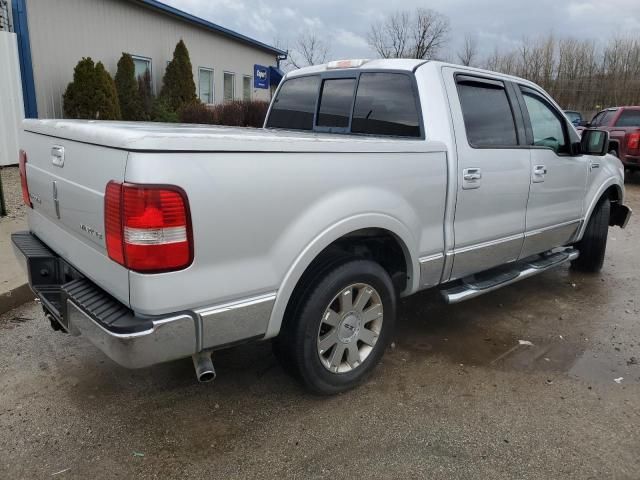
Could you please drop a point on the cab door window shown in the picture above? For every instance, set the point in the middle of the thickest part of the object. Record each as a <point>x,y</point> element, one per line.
<point>487,113</point>
<point>547,125</point>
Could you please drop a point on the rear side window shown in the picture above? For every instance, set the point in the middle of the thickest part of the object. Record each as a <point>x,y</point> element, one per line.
<point>295,104</point>
<point>595,121</point>
<point>386,105</point>
<point>487,114</point>
<point>336,99</point>
<point>605,120</point>
<point>629,118</point>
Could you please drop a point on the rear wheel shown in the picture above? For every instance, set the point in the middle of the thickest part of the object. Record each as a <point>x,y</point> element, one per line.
<point>339,328</point>
<point>593,245</point>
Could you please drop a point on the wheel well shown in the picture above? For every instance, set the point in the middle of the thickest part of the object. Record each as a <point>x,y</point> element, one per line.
<point>612,193</point>
<point>375,244</point>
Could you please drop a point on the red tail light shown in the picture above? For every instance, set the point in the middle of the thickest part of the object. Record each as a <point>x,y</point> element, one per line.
<point>22,166</point>
<point>148,227</point>
<point>633,141</point>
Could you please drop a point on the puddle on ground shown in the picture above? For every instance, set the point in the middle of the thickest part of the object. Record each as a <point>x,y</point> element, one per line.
<point>559,357</point>
<point>484,336</point>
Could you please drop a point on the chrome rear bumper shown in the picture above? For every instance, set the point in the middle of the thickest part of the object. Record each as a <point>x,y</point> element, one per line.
<point>168,339</point>
<point>82,308</point>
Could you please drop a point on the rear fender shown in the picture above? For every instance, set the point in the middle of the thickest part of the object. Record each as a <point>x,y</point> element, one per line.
<point>326,238</point>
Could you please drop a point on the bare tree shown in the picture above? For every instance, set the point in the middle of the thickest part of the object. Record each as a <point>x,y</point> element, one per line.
<point>309,49</point>
<point>577,73</point>
<point>418,34</point>
<point>467,56</point>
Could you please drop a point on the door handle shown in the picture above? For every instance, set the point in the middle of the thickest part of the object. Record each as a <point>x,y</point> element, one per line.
<point>539,172</point>
<point>471,178</point>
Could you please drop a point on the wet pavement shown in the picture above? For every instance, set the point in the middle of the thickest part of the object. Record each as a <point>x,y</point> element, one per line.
<point>537,380</point>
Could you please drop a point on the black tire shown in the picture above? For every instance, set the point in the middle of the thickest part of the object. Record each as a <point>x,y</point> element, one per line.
<point>297,346</point>
<point>593,245</point>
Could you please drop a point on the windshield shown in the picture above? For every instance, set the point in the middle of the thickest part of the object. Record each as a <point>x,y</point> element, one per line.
<point>573,116</point>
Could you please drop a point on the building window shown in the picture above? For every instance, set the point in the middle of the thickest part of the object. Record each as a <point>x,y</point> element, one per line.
<point>141,64</point>
<point>229,88</point>
<point>246,87</point>
<point>205,85</point>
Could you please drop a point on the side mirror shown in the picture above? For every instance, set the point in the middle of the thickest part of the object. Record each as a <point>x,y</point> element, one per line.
<point>594,142</point>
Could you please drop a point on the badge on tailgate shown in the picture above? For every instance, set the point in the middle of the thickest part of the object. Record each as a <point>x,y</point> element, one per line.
<point>57,156</point>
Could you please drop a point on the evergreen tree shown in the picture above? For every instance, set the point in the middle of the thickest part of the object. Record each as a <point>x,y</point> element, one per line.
<point>178,86</point>
<point>107,106</point>
<point>92,93</point>
<point>128,93</point>
<point>78,97</point>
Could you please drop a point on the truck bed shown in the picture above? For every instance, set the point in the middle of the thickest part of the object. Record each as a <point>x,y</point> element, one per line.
<point>245,228</point>
<point>169,137</point>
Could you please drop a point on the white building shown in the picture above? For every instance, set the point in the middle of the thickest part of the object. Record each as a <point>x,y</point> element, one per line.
<point>54,35</point>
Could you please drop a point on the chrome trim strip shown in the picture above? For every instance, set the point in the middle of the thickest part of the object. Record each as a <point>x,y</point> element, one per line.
<point>542,239</point>
<point>431,270</point>
<point>235,321</point>
<point>627,217</point>
<point>490,243</point>
<point>448,266</point>
<point>431,258</point>
<point>538,231</point>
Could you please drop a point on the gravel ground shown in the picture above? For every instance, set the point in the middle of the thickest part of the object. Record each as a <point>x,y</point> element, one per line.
<point>457,396</point>
<point>12,192</point>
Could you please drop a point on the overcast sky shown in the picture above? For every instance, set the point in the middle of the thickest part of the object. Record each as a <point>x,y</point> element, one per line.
<point>491,23</point>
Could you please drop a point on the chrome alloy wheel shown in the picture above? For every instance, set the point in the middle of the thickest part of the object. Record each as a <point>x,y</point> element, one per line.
<point>350,327</point>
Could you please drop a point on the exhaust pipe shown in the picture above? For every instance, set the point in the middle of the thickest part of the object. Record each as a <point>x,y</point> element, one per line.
<point>204,366</point>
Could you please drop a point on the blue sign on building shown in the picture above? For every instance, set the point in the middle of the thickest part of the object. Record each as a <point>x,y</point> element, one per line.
<point>260,76</point>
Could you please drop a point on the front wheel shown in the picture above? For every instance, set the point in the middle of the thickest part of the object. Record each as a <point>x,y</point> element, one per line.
<point>340,327</point>
<point>593,245</point>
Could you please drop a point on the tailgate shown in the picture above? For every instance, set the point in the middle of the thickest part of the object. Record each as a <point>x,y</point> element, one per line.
<point>67,181</point>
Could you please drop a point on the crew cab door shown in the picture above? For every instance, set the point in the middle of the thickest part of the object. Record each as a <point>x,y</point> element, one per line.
<point>493,172</point>
<point>558,179</point>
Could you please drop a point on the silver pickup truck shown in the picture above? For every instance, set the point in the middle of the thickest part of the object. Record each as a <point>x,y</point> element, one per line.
<point>371,180</point>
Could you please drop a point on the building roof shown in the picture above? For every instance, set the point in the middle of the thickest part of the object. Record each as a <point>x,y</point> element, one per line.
<point>169,10</point>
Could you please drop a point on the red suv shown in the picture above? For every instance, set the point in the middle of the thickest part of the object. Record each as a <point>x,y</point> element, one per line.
<point>623,125</point>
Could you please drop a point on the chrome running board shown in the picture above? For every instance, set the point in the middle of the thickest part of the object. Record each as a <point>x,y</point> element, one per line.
<point>499,277</point>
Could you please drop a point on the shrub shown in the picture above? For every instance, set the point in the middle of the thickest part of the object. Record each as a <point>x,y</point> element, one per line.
<point>198,113</point>
<point>255,112</point>
<point>178,85</point>
<point>237,113</point>
<point>128,92</point>
<point>92,93</point>
<point>162,112</point>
